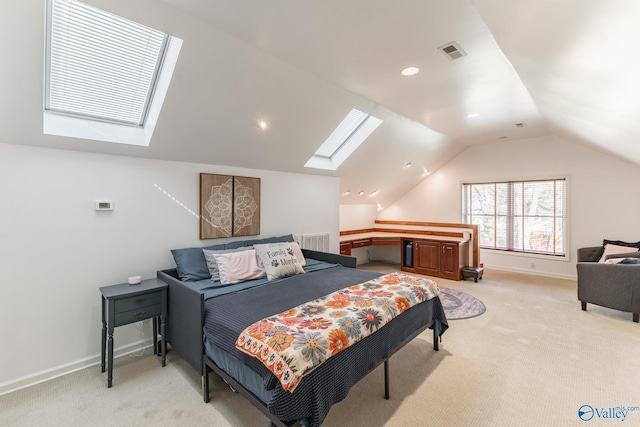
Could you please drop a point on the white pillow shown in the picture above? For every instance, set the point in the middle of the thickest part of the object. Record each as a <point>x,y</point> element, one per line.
<point>610,249</point>
<point>278,259</point>
<point>298,253</point>
<point>211,261</point>
<point>236,267</point>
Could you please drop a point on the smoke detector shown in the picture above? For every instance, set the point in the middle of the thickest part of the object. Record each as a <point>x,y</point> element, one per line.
<point>452,50</point>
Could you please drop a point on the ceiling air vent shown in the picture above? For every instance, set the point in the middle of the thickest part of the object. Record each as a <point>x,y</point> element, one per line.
<point>452,50</point>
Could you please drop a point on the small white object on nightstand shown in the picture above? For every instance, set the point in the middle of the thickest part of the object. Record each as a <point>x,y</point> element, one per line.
<point>134,280</point>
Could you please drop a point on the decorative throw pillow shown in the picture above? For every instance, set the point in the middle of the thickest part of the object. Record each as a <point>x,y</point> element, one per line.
<point>621,243</point>
<point>212,263</point>
<point>630,261</point>
<point>234,267</point>
<point>298,253</point>
<point>279,260</point>
<point>610,249</point>
<point>190,264</point>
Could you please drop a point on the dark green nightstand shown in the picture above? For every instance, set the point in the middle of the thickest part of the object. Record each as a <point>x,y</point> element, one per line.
<point>124,304</point>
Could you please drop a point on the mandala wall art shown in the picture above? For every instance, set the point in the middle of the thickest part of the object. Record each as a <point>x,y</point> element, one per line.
<point>229,206</point>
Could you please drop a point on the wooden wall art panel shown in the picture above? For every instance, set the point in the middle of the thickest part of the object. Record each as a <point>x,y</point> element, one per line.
<point>229,206</point>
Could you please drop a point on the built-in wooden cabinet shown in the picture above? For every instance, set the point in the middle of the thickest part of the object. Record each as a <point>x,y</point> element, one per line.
<point>453,257</point>
<point>438,258</point>
<point>426,256</point>
<point>345,248</point>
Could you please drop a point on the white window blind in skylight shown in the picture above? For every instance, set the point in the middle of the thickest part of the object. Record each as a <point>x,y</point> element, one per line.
<point>100,65</point>
<point>352,131</point>
<point>340,134</point>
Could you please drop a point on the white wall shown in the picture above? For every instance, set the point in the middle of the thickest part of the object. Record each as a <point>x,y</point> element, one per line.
<point>56,250</point>
<point>602,200</point>
<point>357,217</point>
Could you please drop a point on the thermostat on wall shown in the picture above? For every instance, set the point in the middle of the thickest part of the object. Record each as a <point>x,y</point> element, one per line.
<point>104,205</point>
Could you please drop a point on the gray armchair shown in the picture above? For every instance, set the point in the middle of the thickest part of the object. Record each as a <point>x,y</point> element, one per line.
<point>614,286</point>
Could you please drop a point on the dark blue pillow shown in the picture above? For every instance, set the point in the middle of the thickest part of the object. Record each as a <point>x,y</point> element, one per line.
<point>630,261</point>
<point>241,243</point>
<point>191,264</point>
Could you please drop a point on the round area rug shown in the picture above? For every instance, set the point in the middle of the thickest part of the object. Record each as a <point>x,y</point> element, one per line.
<point>458,305</point>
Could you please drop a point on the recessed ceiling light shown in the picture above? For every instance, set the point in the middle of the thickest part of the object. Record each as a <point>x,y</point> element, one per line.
<point>410,71</point>
<point>361,192</point>
<point>262,124</point>
<point>407,165</point>
<point>520,125</point>
<point>373,193</point>
<point>472,115</point>
<point>503,137</point>
<point>425,172</point>
<point>347,192</point>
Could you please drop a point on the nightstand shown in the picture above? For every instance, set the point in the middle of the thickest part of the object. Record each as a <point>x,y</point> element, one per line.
<point>124,304</point>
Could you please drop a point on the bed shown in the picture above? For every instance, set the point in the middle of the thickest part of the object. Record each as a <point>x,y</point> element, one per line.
<point>204,322</point>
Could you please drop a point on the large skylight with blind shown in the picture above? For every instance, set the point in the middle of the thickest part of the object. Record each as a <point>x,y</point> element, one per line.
<point>106,77</point>
<point>343,141</point>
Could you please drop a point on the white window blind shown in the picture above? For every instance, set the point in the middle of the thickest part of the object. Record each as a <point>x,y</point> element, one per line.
<point>99,65</point>
<point>519,216</point>
<point>352,131</point>
<point>341,134</point>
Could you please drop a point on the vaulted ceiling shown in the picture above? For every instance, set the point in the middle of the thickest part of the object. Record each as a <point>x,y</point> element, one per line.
<point>563,67</point>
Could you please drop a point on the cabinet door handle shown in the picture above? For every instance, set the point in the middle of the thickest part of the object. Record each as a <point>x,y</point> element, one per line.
<point>139,300</point>
<point>139,314</point>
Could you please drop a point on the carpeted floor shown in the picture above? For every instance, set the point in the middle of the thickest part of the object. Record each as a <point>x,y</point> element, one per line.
<point>532,359</point>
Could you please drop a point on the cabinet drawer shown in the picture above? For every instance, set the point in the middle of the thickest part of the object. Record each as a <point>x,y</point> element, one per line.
<point>388,241</point>
<point>345,248</point>
<point>138,301</point>
<point>360,243</point>
<point>138,314</point>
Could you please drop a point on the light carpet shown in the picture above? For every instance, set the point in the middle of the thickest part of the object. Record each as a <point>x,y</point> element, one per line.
<point>532,359</point>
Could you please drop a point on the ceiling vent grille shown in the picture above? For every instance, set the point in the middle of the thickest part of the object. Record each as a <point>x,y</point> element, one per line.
<point>452,50</point>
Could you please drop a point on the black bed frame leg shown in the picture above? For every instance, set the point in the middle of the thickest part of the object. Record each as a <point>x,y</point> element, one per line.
<point>436,345</point>
<point>386,379</point>
<point>205,381</point>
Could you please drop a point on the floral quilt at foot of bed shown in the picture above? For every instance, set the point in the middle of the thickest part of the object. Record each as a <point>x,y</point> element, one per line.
<point>293,343</point>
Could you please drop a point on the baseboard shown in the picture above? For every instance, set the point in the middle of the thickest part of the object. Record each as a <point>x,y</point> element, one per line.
<point>531,272</point>
<point>69,368</point>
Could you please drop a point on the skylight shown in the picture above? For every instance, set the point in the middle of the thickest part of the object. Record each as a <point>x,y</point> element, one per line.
<point>343,141</point>
<point>106,76</point>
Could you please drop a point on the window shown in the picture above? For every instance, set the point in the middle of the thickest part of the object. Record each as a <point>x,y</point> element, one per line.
<point>104,72</point>
<point>518,216</point>
<point>350,133</point>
